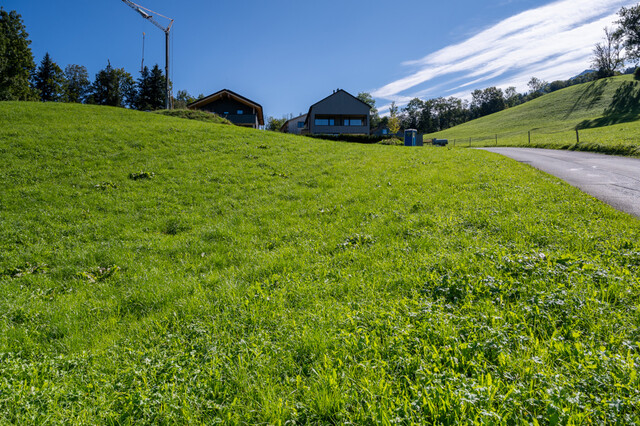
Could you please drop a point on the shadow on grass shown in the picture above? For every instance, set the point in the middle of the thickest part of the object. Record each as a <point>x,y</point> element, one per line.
<point>624,107</point>
<point>590,96</point>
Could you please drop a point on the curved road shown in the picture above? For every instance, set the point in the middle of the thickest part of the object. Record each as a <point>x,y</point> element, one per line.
<point>614,180</point>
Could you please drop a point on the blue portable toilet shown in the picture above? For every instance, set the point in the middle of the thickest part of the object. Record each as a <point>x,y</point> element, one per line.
<point>410,137</point>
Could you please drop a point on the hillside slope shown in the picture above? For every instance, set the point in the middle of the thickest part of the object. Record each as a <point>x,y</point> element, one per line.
<point>156,270</point>
<point>605,111</point>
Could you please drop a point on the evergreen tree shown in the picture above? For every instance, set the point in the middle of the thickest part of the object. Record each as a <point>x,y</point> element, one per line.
<point>151,88</point>
<point>48,81</point>
<point>16,59</point>
<point>77,84</point>
<point>113,87</point>
<point>182,99</point>
<point>143,90</point>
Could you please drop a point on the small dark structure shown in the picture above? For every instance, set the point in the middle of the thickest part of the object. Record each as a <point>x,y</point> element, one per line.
<point>338,114</point>
<point>413,138</point>
<point>440,142</point>
<point>410,137</point>
<point>232,106</point>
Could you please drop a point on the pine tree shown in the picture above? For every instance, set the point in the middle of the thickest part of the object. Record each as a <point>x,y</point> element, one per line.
<point>158,88</point>
<point>77,83</point>
<point>182,99</point>
<point>113,87</point>
<point>48,80</point>
<point>16,59</point>
<point>143,91</point>
<point>150,90</point>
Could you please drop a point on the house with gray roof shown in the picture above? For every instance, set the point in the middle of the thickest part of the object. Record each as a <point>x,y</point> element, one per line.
<point>341,113</point>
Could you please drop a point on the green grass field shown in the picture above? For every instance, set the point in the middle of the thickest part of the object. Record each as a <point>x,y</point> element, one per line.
<point>155,270</point>
<point>606,112</point>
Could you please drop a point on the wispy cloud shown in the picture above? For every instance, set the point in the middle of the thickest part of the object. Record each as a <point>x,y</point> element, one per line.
<point>550,42</point>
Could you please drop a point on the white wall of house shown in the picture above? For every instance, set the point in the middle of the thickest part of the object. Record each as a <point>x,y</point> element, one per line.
<point>295,125</point>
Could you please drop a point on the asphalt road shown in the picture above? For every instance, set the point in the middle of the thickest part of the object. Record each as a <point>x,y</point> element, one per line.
<point>614,180</point>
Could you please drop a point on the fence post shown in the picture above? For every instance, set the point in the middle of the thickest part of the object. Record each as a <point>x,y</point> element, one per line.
<point>454,142</point>
<point>577,136</point>
<point>496,140</point>
<point>469,141</point>
<point>529,137</point>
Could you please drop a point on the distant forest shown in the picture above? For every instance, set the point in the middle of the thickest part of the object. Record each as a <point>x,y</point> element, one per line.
<point>22,80</point>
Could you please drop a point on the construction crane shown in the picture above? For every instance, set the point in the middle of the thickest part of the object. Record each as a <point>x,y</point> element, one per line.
<point>147,14</point>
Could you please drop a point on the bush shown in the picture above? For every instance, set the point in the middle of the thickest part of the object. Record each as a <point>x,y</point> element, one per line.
<point>366,139</point>
<point>190,114</point>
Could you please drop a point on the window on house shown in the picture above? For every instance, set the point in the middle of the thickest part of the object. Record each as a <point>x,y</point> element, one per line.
<point>300,124</point>
<point>385,131</point>
<point>353,122</point>
<point>240,112</point>
<point>226,113</point>
<point>325,122</point>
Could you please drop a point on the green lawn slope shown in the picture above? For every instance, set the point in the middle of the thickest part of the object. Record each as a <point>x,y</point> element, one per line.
<point>606,113</point>
<point>194,115</point>
<point>155,270</point>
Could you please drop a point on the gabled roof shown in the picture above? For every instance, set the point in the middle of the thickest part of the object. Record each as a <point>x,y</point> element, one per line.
<point>292,119</point>
<point>333,94</point>
<point>226,92</point>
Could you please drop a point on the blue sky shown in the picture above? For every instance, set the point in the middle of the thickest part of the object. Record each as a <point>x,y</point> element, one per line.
<point>287,55</point>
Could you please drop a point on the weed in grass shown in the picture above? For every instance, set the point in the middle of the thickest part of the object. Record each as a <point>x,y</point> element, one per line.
<point>26,269</point>
<point>99,274</point>
<point>357,240</point>
<point>141,175</point>
<point>175,226</point>
<point>106,185</point>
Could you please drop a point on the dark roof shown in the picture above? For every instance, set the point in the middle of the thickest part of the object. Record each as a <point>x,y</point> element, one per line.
<point>333,94</point>
<point>215,96</point>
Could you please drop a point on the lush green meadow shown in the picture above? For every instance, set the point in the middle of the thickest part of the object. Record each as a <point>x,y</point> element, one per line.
<point>155,270</point>
<point>606,112</point>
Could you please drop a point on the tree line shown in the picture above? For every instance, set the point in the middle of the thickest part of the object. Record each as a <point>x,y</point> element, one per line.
<point>22,80</point>
<point>620,45</point>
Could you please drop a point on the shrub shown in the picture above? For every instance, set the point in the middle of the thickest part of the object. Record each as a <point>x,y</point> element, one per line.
<point>366,139</point>
<point>194,115</point>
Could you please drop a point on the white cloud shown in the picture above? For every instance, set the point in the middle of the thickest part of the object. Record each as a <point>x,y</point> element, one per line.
<point>551,42</point>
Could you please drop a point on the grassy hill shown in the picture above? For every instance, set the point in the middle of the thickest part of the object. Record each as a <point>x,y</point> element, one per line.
<point>605,111</point>
<point>156,270</point>
<point>194,115</point>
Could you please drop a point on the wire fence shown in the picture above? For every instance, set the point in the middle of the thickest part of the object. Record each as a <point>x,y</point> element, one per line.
<point>592,139</point>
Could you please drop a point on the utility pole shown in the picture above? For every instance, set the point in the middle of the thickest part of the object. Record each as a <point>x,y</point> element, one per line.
<point>146,14</point>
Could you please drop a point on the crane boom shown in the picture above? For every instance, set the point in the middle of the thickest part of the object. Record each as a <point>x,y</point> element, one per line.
<point>147,14</point>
